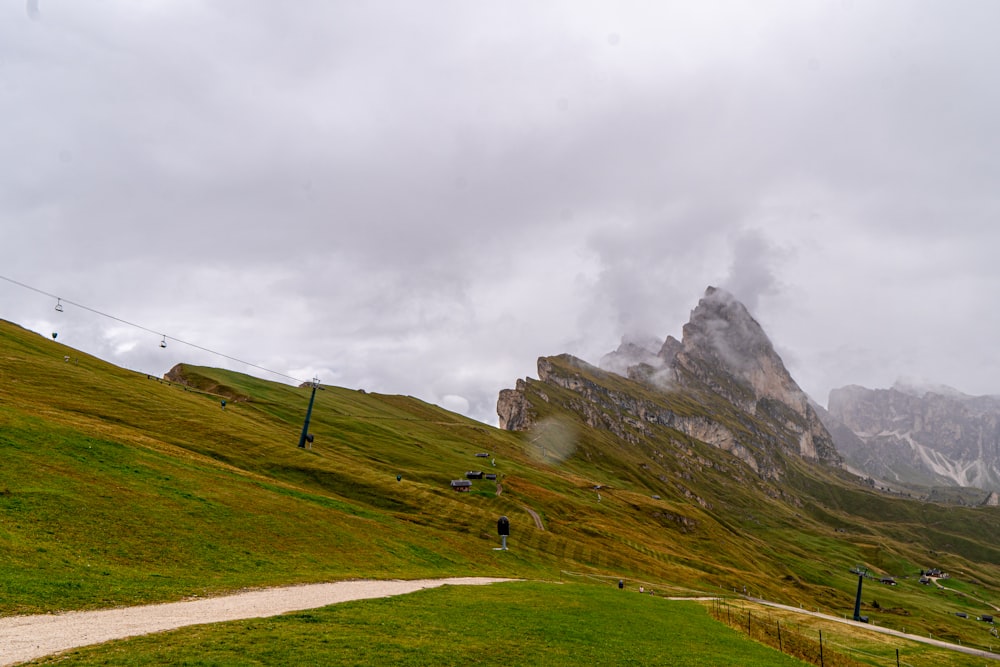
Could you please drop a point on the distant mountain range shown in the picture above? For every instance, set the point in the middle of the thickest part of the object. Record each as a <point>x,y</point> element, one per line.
<point>915,435</point>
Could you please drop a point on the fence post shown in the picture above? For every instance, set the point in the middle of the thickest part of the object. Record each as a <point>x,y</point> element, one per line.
<point>780,646</point>
<point>748,624</point>
<point>820,648</point>
<point>897,657</point>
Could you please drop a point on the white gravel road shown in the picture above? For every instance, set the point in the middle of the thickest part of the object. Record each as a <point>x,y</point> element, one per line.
<point>24,638</point>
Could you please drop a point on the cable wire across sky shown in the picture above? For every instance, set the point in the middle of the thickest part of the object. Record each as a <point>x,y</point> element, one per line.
<point>62,300</point>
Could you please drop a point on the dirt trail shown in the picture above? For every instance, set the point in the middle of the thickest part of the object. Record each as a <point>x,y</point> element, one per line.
<point>534,515</point>
<point>971,597</point>
<point>24,638</point>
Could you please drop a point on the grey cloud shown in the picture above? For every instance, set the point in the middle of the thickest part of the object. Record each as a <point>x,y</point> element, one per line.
<point>425,201</point>
<point>752,273</point>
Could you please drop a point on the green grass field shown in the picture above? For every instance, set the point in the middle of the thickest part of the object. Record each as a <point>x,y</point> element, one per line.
<point>502,624</point>
<point>523,623</point>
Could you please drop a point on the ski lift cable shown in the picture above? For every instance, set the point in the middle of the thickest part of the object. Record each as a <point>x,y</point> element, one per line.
<point>147,329</point>
<point>314,381</point>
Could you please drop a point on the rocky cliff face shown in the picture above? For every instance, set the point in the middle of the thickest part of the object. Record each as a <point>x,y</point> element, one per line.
<point>722,384</point>
<point>914,436</point>
<point>724,347</point>
<point>514,409</point>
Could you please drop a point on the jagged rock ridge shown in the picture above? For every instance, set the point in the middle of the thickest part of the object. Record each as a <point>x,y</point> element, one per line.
<point>745,400</point>
<point>911,436</point>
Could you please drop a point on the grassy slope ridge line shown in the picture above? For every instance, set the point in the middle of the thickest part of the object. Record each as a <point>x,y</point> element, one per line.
<point>25,638</point>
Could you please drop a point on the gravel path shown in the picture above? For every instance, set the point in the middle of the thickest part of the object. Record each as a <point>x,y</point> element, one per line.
<point>534,515</point>
<point>24,638</point>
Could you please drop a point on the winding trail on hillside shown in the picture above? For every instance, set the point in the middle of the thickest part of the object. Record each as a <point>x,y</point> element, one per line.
<point>534,515</point>
<point>24,638</point>
<point>971,597</point>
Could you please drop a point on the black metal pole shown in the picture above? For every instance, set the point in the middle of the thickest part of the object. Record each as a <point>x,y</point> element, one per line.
<point>857,600</point>
<point>305,426</point>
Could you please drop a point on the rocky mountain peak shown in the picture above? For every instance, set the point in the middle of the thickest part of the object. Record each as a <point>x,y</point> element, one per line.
<point>722,329</point>
<point>726,350</point>
<point>724,360</point>
<point>723,339</point>
<point>724,347</point>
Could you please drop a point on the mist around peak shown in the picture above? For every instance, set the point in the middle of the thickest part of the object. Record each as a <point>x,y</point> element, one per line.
<point>721,328</point>
<point>724,350</point>
<point>720,331</point>
<point>920,387</point>
<point>634,350</point>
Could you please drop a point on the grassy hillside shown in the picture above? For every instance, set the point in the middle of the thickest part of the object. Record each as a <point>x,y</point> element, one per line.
<point>117,488</point>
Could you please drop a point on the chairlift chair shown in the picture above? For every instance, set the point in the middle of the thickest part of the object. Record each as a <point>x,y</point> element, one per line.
<point>59,306</point>
<point>163,343</point>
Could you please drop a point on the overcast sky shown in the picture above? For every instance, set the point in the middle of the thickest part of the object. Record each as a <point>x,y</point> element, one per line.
<point>424,197</point>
